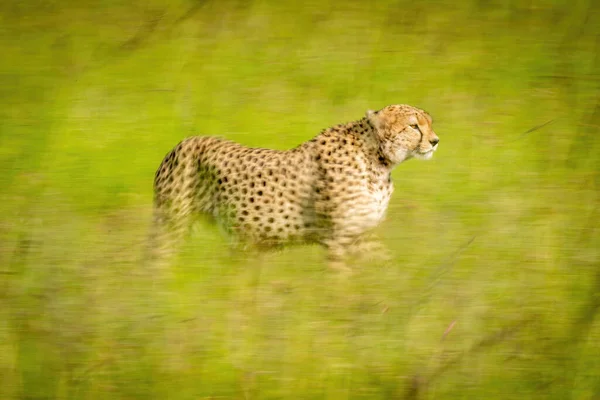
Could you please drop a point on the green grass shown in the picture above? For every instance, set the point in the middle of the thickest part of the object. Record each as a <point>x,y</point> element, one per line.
<point>493,287</point>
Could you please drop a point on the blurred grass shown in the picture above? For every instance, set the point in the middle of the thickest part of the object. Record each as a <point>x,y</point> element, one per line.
<point>496,237</point>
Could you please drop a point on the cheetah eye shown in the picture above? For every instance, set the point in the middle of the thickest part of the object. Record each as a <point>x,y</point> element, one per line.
<point>416,127</point>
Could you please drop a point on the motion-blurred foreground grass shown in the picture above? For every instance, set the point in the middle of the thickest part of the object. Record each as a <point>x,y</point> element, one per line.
<point>493,291</point>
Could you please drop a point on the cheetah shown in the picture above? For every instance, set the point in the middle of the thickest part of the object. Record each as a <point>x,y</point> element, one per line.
<point>331,190</point>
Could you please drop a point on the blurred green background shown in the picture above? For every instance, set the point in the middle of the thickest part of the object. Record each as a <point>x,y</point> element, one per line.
<point>494,287</point>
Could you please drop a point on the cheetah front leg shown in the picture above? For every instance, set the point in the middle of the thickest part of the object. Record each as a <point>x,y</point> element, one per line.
<point>342,249</point>
<point>371,249</point>
<point>337,253</point>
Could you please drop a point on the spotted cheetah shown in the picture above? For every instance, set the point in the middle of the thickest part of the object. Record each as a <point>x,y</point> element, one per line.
<point>331,190</point>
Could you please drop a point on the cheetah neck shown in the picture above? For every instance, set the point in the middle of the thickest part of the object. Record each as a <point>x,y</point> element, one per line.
<point>365,134</point>
<point>362,135</point>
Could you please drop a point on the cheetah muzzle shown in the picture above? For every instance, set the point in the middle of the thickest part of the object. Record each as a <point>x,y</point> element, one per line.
<point>331,190</point>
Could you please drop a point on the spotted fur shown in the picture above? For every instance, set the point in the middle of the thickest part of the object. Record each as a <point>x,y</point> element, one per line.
<point>330,190</point>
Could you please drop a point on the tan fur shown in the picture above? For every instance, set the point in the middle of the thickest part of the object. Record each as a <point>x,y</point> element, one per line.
<point>330,190</point>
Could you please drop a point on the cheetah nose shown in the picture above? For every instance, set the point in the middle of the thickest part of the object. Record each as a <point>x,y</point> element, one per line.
<point>434,141</point>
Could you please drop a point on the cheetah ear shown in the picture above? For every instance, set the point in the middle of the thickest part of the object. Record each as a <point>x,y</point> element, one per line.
<point>372,117</point>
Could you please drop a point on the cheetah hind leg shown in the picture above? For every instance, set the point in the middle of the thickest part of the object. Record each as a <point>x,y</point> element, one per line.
<point>165,237</point>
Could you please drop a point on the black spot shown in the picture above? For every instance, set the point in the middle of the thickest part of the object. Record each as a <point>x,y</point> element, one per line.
<point>267,228</point>
<point>255,219</point>
<point>251,199</point>
<point>257,208</point>
<point>260,193</point>
<point>251,184</point>
<point>244,212</point>
<point>271,220</point>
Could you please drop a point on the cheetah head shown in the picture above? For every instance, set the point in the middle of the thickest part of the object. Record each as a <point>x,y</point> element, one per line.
<point>403,132</point>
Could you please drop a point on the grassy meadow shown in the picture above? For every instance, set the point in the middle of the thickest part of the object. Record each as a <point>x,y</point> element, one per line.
<point>493,290</point>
